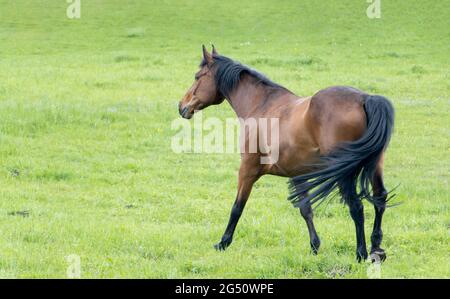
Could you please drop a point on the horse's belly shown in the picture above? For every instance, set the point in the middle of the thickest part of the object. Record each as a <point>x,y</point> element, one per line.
<point>294,161</point>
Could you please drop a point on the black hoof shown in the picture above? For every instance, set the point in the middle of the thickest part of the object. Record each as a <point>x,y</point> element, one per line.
<point>221,246</point>
<point>377,255</point>
<point>315,246</point>
<point>361,255</point>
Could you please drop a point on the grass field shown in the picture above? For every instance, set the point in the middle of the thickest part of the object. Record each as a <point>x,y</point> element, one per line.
<point>86,107</point>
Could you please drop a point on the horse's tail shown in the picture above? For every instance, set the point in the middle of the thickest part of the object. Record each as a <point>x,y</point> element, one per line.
<point>350,160</point>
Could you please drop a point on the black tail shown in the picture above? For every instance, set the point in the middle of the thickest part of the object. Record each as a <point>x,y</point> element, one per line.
<point>342,167</point>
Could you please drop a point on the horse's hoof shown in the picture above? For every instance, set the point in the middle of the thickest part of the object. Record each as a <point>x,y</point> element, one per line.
<point>377,255</point>
<point>218,247</point>
<point>361,255</point>
<point>221,246</point>
<point>315,246</point>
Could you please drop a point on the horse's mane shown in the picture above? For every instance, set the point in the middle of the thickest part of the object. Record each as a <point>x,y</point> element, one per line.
<point>228,74</point>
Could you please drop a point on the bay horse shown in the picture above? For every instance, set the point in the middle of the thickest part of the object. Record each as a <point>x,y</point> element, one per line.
<point>333,140</point>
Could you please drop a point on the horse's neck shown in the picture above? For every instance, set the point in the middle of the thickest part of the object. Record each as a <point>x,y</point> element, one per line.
<point>247,97</point>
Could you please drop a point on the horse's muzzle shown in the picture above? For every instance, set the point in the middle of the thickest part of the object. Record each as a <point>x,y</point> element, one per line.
<point>184,112</point>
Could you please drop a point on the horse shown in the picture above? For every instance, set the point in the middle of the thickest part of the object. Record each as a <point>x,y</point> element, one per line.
<point>334,140</point>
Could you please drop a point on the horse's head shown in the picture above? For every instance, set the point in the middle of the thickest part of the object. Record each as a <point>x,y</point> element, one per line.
<point>204,91</point>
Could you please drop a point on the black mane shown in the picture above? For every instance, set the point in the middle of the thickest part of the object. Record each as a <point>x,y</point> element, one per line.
<point>228,74</point>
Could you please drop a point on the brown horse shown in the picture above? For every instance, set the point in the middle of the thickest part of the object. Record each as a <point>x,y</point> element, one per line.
<point>332,140</point>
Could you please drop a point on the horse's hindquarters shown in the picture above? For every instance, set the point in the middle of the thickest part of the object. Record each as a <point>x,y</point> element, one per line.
<point>337,115</point>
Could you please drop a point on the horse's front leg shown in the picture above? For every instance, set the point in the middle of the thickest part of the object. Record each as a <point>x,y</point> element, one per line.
<point>245,185</point>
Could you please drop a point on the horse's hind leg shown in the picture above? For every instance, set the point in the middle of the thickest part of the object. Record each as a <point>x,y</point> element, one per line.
<point>348,191</point>
<point>380,193</point>
<point>307,214</point>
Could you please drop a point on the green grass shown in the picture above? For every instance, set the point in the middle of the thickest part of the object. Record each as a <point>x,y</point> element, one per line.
<point>86,108</point>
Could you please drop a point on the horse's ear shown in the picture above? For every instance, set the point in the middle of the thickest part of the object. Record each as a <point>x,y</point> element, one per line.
<point>214,52</point>
<point>206,56</point>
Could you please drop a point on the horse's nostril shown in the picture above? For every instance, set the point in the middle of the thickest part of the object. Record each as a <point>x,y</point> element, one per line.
<point>183,111</point>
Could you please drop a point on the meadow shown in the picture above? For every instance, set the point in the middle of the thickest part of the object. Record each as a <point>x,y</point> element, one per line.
<point>86,166</point>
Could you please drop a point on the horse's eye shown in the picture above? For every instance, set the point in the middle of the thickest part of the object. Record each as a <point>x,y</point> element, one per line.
<point>197,77</point>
